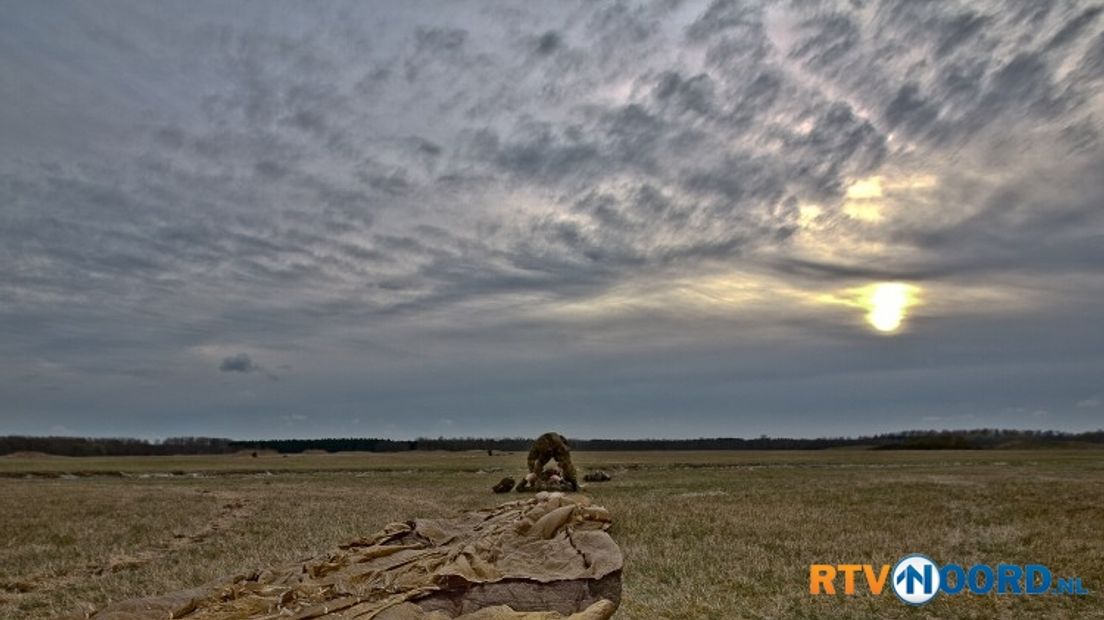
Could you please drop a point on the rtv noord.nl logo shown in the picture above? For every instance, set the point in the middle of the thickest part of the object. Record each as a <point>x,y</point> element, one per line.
<point>916,579</point>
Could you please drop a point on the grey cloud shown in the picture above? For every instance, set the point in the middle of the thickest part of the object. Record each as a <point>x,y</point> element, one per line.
<point>606,210</point>
<point>957,30</point>
<point>829,39</point>
<point>1028,225</point>
<point>758,97</point>
<point>694,94</point>
<point>430,181</point>
<point>620,27</point>
<point>440,39</point>
<point>1024,81</point>
<point>819,270</point>
<point>539,150</point>
<point>911,109</point>
<point>1074,28</point>
<point>634,135</point>
<point>739,179</point>
<point>549,42</point>
<point>840,145</point>
<point>724,16</point>
<point>1092,63</point>
<point>238,363</point>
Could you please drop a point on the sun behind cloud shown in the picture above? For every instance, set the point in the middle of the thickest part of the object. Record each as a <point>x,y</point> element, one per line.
<point>887,305</point>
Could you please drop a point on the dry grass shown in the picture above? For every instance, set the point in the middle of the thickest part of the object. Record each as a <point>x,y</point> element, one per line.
<point>705,535</point>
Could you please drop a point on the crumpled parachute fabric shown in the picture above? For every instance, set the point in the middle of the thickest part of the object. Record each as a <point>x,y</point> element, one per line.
<point>543,558</point>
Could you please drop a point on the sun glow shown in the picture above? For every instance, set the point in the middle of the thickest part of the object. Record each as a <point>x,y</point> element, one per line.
<point>887,305</point>
<point>863,200</point>
<point>865,188</point>
<point>871,199</point>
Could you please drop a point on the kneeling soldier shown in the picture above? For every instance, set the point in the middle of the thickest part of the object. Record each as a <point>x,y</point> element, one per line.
<point>547,447</point>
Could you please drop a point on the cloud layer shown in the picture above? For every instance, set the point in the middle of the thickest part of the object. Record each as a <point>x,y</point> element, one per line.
<point>595,217</point>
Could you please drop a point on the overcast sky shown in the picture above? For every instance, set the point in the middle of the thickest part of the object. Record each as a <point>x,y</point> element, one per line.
<point>663,219</point>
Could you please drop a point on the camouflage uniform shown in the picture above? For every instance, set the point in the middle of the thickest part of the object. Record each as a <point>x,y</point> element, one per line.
<point>551,446</point>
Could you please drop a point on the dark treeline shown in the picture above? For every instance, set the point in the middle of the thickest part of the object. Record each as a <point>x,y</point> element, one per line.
<point>978,439</point>
<point>114,446</point>
<point>350,444</point>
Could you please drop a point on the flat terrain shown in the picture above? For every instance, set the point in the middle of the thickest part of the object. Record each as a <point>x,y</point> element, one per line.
<point>705,534</point>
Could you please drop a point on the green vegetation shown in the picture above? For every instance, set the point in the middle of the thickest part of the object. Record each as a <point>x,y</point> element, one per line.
<point>705,534</point>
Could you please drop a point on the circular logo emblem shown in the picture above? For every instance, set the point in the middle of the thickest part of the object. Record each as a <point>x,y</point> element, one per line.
<point>915,579</point>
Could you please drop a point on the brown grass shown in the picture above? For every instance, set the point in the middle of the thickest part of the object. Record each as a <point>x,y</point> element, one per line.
<point>705,535</point>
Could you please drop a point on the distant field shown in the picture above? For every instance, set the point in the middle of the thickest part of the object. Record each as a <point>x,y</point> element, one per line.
<point>705,534</point>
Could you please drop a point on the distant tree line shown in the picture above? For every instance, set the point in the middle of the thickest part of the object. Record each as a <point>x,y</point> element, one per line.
<point>348,444</point>
<point>977,439</point>
<point>114,446</point>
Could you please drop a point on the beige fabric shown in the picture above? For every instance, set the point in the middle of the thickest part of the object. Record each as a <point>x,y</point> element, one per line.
<point>544,558</point>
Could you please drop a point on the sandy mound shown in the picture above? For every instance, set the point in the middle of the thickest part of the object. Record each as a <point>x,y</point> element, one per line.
<point>542,558</point>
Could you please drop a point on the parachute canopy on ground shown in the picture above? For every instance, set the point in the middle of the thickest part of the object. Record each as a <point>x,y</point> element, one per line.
<point>541,558</point>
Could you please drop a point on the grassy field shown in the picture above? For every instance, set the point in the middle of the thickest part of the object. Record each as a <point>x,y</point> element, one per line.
<point>705,534</point>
